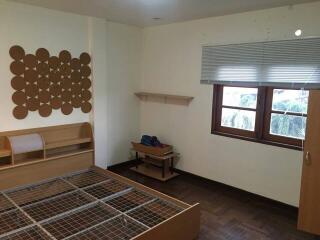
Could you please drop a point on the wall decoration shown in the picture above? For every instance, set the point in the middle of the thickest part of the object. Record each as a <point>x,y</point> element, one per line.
<point>45,83</point>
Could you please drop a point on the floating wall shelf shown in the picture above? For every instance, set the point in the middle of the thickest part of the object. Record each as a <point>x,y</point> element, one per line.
<point>168,98</point>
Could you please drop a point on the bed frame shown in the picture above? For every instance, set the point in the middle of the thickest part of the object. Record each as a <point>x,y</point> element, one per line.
<point>66,156</point>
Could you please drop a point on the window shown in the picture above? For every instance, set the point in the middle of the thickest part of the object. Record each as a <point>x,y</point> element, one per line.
<point>267,115</point>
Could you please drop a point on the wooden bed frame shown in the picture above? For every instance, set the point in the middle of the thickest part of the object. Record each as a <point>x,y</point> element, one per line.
<point>70,148</point>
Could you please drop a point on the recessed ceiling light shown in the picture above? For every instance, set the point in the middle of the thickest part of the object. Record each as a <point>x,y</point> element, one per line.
<point>156,18</point>
<point>298,32</point>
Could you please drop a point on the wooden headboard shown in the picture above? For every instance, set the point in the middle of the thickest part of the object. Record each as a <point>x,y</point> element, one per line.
<point>64,149</point>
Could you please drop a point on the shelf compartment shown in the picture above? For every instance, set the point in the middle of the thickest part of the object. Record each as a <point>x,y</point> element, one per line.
<point>68,142</point>
<point>5,153</point>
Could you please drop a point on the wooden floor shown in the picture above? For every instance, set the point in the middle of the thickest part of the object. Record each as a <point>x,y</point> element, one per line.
<point>228,213</point>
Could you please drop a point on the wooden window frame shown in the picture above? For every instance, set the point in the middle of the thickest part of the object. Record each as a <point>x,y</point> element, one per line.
<point>261,133</point>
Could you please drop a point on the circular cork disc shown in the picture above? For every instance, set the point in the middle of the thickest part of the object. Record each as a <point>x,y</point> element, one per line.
<point>31,76</point>
<point>85,71</point>
<point>44,96</point>
<point>55,102</point>
<point>30,61</point>
<point>42,54</point>
<point>66,96</point>
<point>43,68</point>
<point>18,83</point>
<point>17,52</point>
<point>17,68</point>
<point>20,112</point>
<point>85,58</point>
<point>55,90</point>
<point>65,69</point>
<point>86,107</point>
<point>55,77</point>
<point>75,64</point>
<point>86,83</point>
<point>75,77</point>
<point>76,101</point>
<point>76,89</point>
<point>66,108</point>
<point>45,110</point>
<point>86,95</point>
<point>67,84</point>
<point>32,90</point>
<point>43,83</point>
<point>54,62</point>
<point>65,56</point>
<point>33,104</point>
<point>19,98</point>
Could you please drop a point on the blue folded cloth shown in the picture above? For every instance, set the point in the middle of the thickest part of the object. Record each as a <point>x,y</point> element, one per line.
<point>151,141</point>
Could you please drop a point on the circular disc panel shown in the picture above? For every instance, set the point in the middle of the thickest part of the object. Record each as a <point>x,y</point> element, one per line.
<point>65,56</point>
<point>86,83</point>
<point>85,58</point>
<point>20,112</point>
<point>42,54</point>
<point>43,68</point>
<point>32,90</point>
<point>54,62</point>
<point>30,61</point>
<point>18,83</point>
<point>17,52</point>
<point>56,103</point>
<point>75,64</point>
<point>33,104</point>
<point>44,96</point>
<point>85,71</point>
<point>19,98</point>
<point>45,110</point>
<point>67,109</point>
<point>31,76</point>
<point>43,83</point>
<point>17,68</point>
<point>86,95</point>
<point>86,107</point>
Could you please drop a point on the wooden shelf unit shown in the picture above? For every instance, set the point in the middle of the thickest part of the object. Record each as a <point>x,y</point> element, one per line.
<point>58,142</point>
<point>168,98</point>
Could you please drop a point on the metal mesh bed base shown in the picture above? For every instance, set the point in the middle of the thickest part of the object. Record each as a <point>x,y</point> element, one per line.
<point>82,205</point>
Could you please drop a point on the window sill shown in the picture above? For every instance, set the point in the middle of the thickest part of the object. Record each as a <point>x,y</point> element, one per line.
<point>277,144</point>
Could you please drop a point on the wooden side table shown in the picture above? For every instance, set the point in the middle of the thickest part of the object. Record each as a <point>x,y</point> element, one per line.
<point>158,167</point>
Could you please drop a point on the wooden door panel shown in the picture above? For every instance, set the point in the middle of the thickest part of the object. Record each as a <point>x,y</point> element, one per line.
<point>309,211</point>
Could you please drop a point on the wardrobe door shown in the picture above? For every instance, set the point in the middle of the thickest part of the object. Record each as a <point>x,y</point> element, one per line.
<point>309,211</point>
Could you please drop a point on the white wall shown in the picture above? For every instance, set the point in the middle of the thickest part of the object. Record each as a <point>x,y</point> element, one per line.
<point>124,50</point>
<point>116,56</point>
<point>172,64</point>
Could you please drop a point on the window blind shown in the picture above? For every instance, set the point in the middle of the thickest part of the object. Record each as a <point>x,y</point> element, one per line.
<point>289,63</point>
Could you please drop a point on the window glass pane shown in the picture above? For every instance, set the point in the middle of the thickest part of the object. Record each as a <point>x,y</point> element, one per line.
<point>288,126</point>
<point>290,100</point>
<point>240,119</point>
<point>240,97</point>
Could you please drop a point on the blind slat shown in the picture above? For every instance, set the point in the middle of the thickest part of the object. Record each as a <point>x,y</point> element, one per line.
<point>290,63</point>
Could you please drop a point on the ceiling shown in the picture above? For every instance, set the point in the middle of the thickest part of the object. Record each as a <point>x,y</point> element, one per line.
<point>142,12</point>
